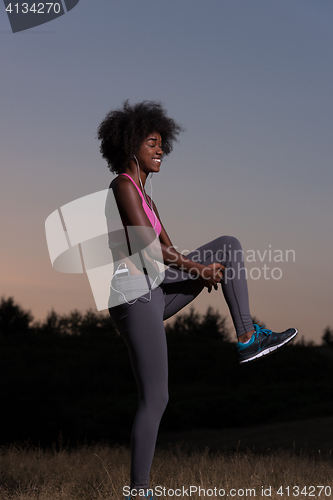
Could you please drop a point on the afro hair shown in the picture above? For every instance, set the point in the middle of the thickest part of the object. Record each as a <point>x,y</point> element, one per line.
<point>123,130</point>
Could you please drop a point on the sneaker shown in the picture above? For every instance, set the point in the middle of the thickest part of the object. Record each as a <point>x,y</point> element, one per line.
<point>263,342</point>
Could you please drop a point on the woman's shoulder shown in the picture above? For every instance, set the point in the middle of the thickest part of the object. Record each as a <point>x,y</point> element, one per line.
<point>121,182</point>
<point>123,188</point>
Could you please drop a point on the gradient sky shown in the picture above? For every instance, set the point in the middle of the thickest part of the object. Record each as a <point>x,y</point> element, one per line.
<point>250,80</point>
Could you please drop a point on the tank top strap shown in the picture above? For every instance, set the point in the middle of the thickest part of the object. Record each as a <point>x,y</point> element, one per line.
<point>153,219</point>
<point>139,190</point>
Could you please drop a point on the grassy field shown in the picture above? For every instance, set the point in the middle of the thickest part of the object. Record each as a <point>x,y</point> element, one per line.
<point>312,436</point>
<point>100,471</point>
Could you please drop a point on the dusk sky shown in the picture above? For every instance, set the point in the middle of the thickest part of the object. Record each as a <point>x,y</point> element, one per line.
<point>251,82</point>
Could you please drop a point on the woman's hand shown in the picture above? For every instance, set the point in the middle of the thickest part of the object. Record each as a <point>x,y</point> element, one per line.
<point>211,275</point>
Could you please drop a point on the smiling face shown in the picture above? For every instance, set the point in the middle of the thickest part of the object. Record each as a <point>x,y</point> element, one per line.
<point>150,153</point>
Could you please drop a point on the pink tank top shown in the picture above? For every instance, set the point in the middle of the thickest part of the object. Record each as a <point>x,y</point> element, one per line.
<point>153,219</point>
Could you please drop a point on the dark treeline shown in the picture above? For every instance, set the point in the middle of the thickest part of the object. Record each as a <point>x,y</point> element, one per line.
<point>71,375</point>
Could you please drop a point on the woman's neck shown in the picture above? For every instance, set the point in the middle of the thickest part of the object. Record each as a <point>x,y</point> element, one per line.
<point>133,172</point>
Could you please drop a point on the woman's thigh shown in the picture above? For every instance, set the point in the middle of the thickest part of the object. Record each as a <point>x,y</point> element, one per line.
<point>180,288</point>
<point>141,326</point>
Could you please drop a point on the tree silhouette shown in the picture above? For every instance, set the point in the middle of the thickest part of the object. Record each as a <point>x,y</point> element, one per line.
<point>13,318</point>
<point>327,337</point>
<point>76,323</point>
<point>212,324</point>
<point>53,324</point>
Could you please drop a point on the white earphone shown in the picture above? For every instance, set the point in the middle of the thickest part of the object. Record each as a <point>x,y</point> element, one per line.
<point>143,191</point>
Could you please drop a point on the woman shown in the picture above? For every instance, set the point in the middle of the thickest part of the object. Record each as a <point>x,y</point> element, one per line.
<point>133,140</point>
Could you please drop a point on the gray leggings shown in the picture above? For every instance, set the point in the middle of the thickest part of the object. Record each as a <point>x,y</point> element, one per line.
<point>141,326</point>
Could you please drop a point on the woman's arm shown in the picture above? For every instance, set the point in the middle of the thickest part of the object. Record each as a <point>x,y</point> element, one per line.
<point>209,275</point>
<point>132,213</point>
<point>140,233</point>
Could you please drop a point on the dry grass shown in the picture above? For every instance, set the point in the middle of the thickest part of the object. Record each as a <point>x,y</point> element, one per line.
<point>100,472</point>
